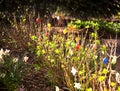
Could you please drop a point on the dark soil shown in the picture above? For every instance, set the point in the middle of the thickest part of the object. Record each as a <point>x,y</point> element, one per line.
<point>36,82</point>
<point>2,87</point>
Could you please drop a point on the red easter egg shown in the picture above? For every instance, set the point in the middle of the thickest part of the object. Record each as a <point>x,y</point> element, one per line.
<point>46,34</point>
<point>37,20</point>
<point>77,47</point>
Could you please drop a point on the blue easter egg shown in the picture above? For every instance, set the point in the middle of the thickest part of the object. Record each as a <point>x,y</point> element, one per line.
<point>105,60</point>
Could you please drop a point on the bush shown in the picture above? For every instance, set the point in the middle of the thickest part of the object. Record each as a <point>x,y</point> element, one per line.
<point>72,61</point>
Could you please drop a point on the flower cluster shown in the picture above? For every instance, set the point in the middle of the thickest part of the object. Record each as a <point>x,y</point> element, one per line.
<point>2,52</point>
<point>26,58</point>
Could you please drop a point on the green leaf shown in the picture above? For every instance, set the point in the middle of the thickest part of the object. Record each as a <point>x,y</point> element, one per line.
<point>94,75</point>
<point>89,89</point>
<point>49,57</point>
<point>101,78</point>
<point>105,71</point>
<point>97,42</point>
<point>81,72</point>
<point>52,60</point>
<point>87,26</point>
<point>33,37</point>
<point>73,44</point>
<point>65,31</point>
<point>103,48</point>
<point>43,51</point>
<point>118,88</point>
<point>93,35</point>
<point>57,51</point>
<point>38,53</point>
<point>37,67</point>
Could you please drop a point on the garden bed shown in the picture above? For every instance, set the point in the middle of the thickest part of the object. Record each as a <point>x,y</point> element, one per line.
<point>70,58</point>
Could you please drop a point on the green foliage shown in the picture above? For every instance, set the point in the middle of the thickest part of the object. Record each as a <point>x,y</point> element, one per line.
<point>11,72</point>
<point>61,56</point>
<point>96,25</point>
<point>118,88</point>
<point>84,8</point>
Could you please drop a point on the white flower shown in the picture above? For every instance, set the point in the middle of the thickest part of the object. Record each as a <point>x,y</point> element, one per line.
<point>1,53</point>
<point>77,85</point>
<point>7,52</point>
<point>58,17</point>
<point>57,88</point>
<point>114,59</point>
<point>71,52</point>
<point>103,52</point>
<point>73,71</point>
<point>26,58</point>
<point>96,56</point>
<point>117,77</point>
<point>15,60</point>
